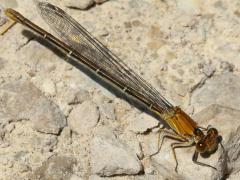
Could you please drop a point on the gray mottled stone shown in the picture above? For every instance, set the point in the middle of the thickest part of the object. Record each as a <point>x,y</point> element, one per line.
<point>84,117</point>
<point>222,89</point>
<point>110,156</point>
<point>77,96</point>
<point>107,110</point>
<point>55,168</point>
<point>22,100</point>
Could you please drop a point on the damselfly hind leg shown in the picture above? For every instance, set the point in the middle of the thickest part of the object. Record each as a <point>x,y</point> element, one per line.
<point>176,145</point>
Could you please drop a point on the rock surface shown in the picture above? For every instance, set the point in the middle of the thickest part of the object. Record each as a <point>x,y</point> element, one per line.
<point>55,168</point>
<point>109,156</point>
<point>22,100</point>
<point>84,117</point>
<point>221,89</point>
<point>142,123</point>
<point>57,123</point>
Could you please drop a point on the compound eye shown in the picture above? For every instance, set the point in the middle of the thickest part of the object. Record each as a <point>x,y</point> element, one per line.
<point>201,147</point>
<point>198,132</point>
<point>212,132</point>
<point>219,139</point>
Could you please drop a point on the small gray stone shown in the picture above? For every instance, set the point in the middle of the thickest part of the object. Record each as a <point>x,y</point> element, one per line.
<point>110,156</point>
<point>78,96</point>
<point>84,117</point>
<point>55,168</point>
<point>22,100</point>
<point>142,123</point>
<point>83,4</point>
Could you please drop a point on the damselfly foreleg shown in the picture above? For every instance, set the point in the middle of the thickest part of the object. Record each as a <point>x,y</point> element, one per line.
<point>195,160</point>
<point>176,145</point>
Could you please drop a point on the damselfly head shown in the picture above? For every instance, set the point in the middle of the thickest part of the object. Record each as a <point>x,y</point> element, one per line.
<point>209,143</point>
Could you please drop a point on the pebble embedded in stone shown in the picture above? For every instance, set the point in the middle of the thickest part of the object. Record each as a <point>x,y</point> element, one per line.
<point>110,156</point>
<point>57,167</point>
<point>22,100</point>
<point>84,117</point>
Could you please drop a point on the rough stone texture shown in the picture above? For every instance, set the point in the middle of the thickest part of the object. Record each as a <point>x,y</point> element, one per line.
<point>55,168</point>
<point>109,156</point>
<point>107,110</point>
<point>22,100</point>
<point>49,88</point>
<point>187,49</point>
<point>221,89</point>
<point>84,117</point>
<point>77,96</point>
<point>142,123</point>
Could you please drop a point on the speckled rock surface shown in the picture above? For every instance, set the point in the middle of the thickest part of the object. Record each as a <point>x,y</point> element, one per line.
<point>187,49</point>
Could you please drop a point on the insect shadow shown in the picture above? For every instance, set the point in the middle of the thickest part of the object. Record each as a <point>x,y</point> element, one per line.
<point>114,90</point>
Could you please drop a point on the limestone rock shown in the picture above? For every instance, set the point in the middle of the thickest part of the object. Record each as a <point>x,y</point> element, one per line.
<point>22,100</point>
<point>110,156</point>
<point>222,89</point>
<point>84,117</point>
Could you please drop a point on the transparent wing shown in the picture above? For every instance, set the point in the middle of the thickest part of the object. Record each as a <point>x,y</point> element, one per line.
<point>76,36</point>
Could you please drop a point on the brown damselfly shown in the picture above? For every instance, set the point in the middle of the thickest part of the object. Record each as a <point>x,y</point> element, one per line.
<point>82,47</point>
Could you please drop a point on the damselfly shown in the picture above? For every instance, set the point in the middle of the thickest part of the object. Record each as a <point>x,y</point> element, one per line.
<point>82,47</point>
